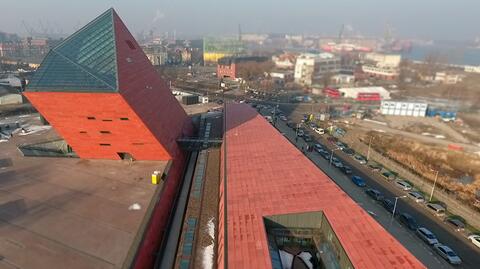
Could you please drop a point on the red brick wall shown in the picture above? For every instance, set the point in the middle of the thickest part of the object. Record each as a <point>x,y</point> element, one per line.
<point>147,93</point>
<point>68,113</point>
<point>226,71</point>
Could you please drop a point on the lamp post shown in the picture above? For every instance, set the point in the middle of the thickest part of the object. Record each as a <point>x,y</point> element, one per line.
<point>395,207</point>
<point>368,151</point>
<point>331,156</point>
<point>434,184</point>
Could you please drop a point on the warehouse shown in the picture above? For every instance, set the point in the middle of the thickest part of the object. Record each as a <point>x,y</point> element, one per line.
<point>399,108</point>
<point>365,93</point>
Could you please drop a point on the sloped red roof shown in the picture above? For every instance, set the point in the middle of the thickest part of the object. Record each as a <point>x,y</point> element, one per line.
<point>267,175</point>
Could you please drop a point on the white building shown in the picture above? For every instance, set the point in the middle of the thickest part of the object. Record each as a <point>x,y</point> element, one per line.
<point>342,79</point>
<point>383,66</point>
<point>399,108</point>
<point>365,93</point>
<point>284,61</point>
<point>472,69</point>
<point>446,78</point>
<point>310,67</point>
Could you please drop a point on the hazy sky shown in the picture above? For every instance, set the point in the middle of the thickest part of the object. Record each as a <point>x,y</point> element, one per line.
<point>432,19</point>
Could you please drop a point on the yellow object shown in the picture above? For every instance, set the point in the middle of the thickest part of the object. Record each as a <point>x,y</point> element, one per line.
<point>212,57</point>
<point>156,178</point>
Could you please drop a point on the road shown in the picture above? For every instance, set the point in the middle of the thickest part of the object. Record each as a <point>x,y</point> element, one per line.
<point>446,235</point>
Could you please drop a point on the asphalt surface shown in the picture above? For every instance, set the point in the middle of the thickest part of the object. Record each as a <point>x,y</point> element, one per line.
<point>469,253</point>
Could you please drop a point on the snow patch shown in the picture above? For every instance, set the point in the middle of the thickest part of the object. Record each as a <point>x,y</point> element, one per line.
<point>208,251</point>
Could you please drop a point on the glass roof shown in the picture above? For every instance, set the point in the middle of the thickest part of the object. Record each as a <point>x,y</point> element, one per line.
<point>86,61</point>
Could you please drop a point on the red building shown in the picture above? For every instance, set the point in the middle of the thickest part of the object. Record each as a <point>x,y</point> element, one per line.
<point>228,67</point>
<point>101,94</point>
<point>279,203</point>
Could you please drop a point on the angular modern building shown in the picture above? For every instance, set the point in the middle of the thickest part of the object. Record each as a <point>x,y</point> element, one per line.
<point>102,95</point>
<point>281,209</point>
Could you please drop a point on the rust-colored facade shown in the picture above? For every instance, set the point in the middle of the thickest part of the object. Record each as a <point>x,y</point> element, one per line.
<point>111,104</point>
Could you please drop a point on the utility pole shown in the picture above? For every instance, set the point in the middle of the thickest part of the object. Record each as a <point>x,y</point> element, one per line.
<point>433,187</point>
<point>369,144</point>
<point>395,207</point>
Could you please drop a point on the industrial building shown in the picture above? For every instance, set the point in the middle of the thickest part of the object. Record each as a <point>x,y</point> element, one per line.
<point>401,108</point>
<point>310,67</point>
<point>382,66</point>
<point>283,201</point>
<point>157,54</point>
<point>365,93</point>
<point>229,67</point>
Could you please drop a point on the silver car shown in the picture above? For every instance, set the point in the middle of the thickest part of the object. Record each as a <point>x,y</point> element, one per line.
<point>403,185</point>
<point>416,196</point>
<point>447,253</point>
<point>427,236</point>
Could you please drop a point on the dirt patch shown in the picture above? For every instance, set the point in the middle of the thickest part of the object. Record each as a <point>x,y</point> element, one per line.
<point>426,159</point>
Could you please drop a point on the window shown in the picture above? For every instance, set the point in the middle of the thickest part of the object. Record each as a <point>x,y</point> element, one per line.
<point>83,132</point>
<point>137,144</point>
<point>129,60</point>
<point>91,118</point>
<point>106,120</point>
<point>105,132</point>
<point>130,44</point>
<point>104,145</point>
<point>123,118</point>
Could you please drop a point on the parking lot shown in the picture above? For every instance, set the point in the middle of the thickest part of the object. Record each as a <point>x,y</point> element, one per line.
<point>445,233</point>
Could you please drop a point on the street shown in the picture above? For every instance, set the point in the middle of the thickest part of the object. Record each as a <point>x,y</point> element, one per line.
<point>469,254</point>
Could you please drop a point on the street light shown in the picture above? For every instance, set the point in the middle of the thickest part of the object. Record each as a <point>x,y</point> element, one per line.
<point>434,184</point>
<point>395,207</point>
<point>369,144</point>
<point>331,156</point>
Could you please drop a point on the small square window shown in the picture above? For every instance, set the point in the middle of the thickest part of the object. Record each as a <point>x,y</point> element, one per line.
<point>137,144</point>
<point>83,132</point>
<point>91,118</point>
<point>105,145</point>
<point>123,118</point>
<point>105,132</point>
<point>106,120</point>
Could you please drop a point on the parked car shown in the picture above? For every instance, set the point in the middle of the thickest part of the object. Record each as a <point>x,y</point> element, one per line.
<point>358,181</point>
<point>360,159</point>
<point>409,221</point>
<point>325,154</point>
<point>416,196</point>
<point>337,164</point>
<point>348,151</point>
<point>388,175</point>
<point>388,205</point>
<point>436,209</point>
<point>283,118</point>
<point>291,124</point>
<point>319,131</point>
<point>341,145</point>
<point>403,185</point>
<point>318,147</point>
<point>375,194</point>
<point>346,169</point>
<point>307,138</point>
<point>375,166</point>
<point>457,224</point>
<point>300,133</point>
<point>427,236</point>
<point>447,253</point>
<point>475,238</point>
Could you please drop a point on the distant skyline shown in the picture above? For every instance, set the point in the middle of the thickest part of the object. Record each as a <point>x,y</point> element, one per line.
<point>424,19</point>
